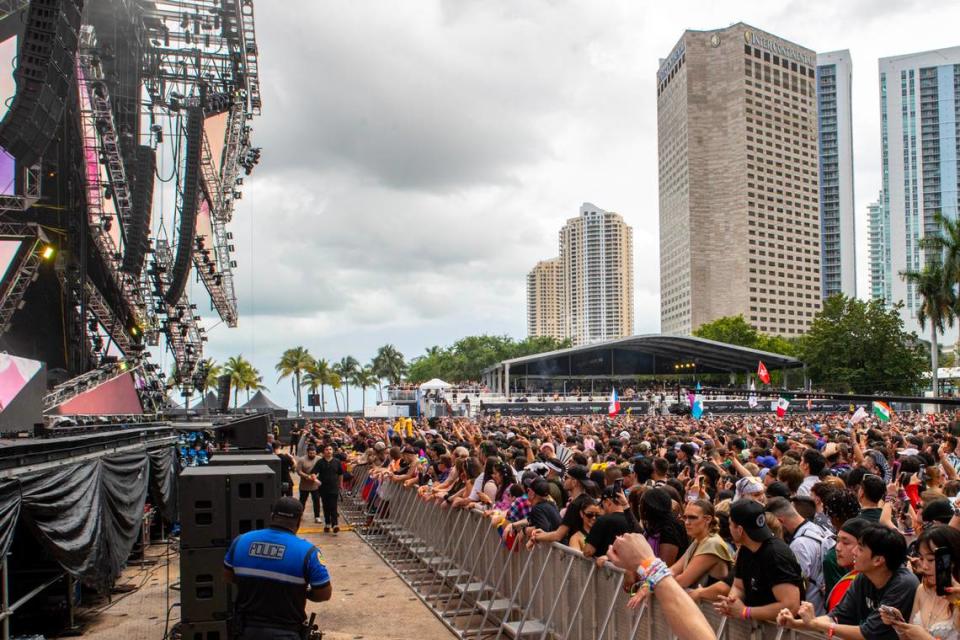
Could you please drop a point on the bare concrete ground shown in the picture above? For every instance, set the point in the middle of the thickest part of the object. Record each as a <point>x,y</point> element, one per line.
<point>369,601</point>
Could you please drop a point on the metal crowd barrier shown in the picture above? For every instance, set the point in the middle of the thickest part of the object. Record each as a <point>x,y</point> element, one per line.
<point>456,563</point>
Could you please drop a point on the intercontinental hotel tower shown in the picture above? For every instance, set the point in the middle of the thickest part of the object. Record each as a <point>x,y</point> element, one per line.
<point>738,178</point>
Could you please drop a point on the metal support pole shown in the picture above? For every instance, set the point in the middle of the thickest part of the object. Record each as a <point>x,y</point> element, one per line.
<point>5,603</point>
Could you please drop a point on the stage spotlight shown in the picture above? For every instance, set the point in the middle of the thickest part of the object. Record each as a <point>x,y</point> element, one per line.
<point>48,251</point>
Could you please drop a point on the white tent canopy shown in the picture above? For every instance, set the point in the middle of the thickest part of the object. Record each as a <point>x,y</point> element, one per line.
<point>436,383</point>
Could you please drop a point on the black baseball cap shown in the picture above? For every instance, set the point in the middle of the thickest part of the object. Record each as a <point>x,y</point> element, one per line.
<point>938,511</point>
<point>750,515</point>
<point>288,508</point>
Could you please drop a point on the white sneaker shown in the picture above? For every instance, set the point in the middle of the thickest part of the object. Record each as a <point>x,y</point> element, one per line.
<point>318,520</point>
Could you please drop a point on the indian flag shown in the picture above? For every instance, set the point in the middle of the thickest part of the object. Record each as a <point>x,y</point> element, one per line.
<point>882,410</point>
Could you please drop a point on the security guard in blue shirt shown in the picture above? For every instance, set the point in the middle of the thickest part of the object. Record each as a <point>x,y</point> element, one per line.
<point>276,572</point>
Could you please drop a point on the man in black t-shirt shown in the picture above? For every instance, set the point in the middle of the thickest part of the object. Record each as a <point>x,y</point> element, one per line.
<point>767,575</point>
<point>614,522</point>
<point>883,580</point>
<point>329,471</point>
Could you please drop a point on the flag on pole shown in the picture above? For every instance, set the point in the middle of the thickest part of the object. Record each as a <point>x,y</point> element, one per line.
<point>614,408</point>
<point>882,410</point>
<point>858,415</point>
<point>696,409</point>
<point>762,373</point>
<point>752,398</point>
<point>783,403</point>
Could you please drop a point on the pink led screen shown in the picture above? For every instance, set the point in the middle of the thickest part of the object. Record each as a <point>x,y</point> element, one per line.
<point>8,57</point>
<point>115,397</point>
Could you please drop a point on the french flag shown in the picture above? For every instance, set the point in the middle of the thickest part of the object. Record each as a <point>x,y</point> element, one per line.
<point>614,408</point>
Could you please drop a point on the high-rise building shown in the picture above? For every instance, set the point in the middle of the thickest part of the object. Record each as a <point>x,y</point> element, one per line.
<point>596,258</point>
<point>544,294</point>
<point>919,112</point>
<point>878,239</point>
<point>739,174</point>
<point>838,263</point>
<point>586,294</point>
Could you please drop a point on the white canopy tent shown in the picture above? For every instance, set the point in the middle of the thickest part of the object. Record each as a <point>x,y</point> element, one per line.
<point>436,383</point>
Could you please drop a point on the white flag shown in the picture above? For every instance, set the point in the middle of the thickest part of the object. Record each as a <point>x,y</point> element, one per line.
<point>858,415</point>
<point>752,398</point>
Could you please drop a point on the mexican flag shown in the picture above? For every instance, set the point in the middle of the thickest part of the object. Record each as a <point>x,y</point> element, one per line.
<point>783,403</point>
<point>882,410</point>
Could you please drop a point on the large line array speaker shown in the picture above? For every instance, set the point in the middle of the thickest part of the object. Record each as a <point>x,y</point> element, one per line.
<point>217,503</point>
<point>45,69</point>
<point>188,212</point>
<point>138,236</point>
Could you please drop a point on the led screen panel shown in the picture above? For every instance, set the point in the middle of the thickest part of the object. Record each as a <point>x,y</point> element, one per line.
<point>8,252</point>
<point>115,397</point>
<point>8,88</point>
<point>216,129</point>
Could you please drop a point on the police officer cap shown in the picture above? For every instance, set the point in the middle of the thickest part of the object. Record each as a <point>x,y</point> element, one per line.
<point>287,507</point>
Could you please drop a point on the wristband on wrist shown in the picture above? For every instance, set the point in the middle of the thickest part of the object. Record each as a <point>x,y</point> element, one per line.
<point>831,630</point>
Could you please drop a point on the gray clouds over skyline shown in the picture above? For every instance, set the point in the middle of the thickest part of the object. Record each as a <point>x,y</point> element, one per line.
<point>420,157</point>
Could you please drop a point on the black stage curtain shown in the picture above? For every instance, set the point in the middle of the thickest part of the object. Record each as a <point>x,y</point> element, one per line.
<point>87,515</point>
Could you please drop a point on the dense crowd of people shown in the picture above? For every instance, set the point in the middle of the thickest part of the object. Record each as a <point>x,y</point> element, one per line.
<point>810,521</point>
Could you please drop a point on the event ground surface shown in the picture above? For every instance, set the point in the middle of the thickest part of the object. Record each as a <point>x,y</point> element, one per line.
<point>369,601</point>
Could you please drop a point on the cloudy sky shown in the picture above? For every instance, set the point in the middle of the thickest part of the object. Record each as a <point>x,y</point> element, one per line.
<point>419,157</point>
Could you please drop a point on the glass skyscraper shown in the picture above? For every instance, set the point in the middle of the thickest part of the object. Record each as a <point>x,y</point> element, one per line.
<point>838,265</point>
<point>920,141</point>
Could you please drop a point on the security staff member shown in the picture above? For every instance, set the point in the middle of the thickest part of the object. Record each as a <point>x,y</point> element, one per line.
<point>276,572</point>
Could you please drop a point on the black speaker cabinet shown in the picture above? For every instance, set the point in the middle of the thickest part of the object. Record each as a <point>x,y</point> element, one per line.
<point>204,592</point>
<point>211,630</point>
<point>218,503</point>
<point>243,459</point>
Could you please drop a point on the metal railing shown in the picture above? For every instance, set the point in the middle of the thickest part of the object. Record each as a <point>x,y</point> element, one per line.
<point>456,563</point>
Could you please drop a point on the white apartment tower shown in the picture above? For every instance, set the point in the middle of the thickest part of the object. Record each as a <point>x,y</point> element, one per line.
<point>595,276</point>
<point>919,112</point>
<point>838,264</point>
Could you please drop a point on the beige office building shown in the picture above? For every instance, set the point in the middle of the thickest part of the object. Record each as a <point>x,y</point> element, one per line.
<point>544,293</point>
<point>738,170</point>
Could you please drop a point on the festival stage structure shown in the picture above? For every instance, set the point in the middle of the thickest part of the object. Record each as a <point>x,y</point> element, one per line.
<point>123,147</point>
<point>125,136</point>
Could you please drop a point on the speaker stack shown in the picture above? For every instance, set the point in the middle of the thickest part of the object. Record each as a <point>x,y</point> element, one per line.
<point>217,504</point>
<point>246,459</point>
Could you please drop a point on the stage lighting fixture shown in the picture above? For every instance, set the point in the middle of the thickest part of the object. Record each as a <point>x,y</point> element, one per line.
<point>123,365</point>
<point>48,251</point>
<point>134,331</point>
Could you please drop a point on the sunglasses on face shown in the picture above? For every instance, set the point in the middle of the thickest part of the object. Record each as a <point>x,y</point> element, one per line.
<point>690,518</point>
<point>591,514</point>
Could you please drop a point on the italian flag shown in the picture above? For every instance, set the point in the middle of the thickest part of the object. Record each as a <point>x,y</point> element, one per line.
<point>882,410</point>
<point>783,403</point>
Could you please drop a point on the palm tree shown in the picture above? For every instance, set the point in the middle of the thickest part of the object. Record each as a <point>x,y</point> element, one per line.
<point>364,378</point>
<point>292,364</point>
<point>335,382</point>
<point>213,371</point>
<point>241,373</point>
<point>946,243</point>
<point>938,305</point>
<point>388,364</point>
<point>346,369</point>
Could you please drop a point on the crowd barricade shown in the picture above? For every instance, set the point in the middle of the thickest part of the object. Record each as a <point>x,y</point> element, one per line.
<point>457,564</point>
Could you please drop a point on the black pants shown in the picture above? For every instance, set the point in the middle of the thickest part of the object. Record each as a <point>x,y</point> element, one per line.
<point>265,633</point>
<point>329,508</point>
<point>314,497</point>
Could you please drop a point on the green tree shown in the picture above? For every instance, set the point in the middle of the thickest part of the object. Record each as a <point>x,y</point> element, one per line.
<point>945,244</point>
<point>242,376</point>
<point>346,369</point>
<point>938,303</point>
<point>467,358</point>
<point>388,365</point>
<point>736,330</point>
<point>862,347</point>
<point>213,371</point>
<point>317,376</point>
<point>364,378</point>
<point>292,364</point>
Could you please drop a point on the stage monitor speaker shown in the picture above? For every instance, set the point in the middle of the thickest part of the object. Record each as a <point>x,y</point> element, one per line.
<point>223,392</point>
<point>218,503</point>
<point>247,434</point>
<point>138,236</point>
<point>213,630</point>
<point>204,591</point>
<point>44,75</point>
<point>245,459</point>
<point>188,212</point>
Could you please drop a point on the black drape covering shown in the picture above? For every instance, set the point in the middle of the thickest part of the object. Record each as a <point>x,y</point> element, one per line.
<point>87,515</point>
